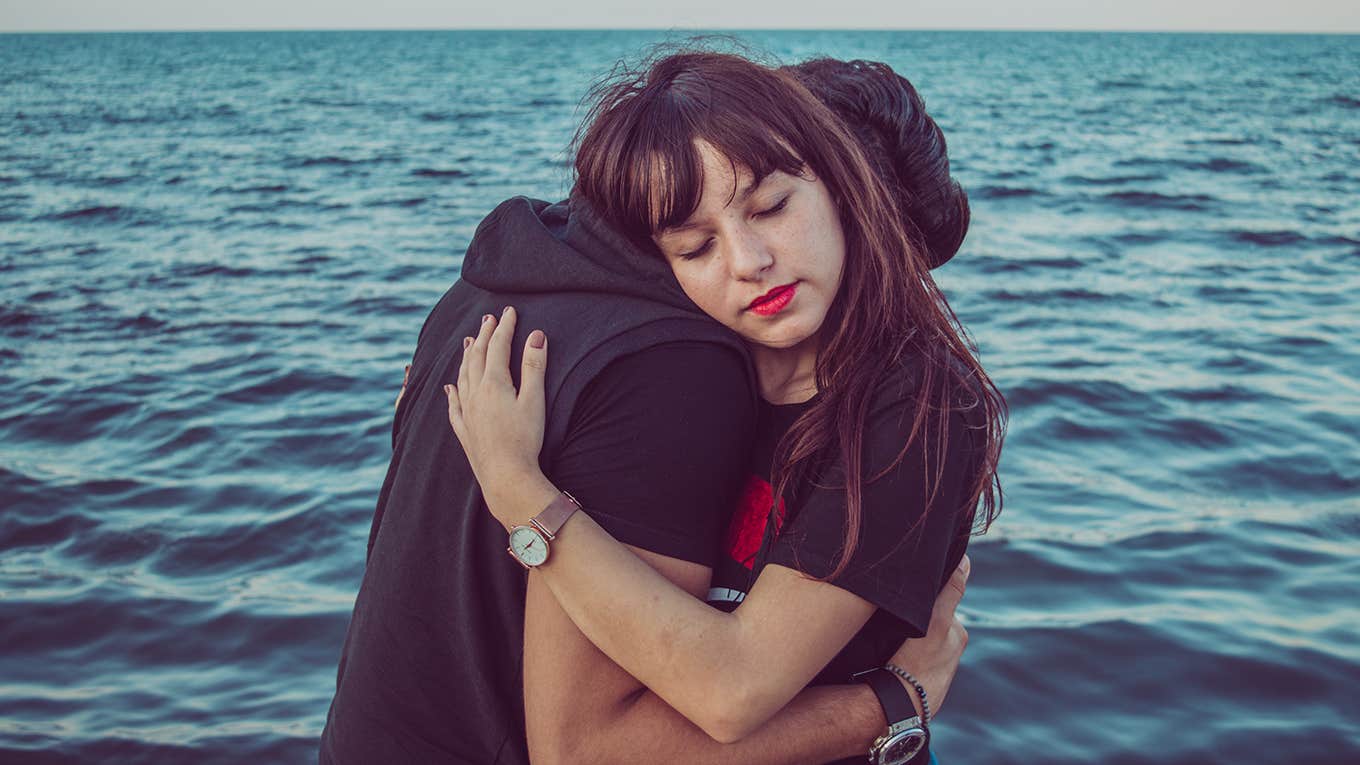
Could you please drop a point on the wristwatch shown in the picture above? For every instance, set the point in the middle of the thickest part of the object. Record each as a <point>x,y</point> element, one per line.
<point>907,735</point>
<point>529,544</point>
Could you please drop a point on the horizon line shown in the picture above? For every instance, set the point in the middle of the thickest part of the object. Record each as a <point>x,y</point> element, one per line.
<point>690,30</point>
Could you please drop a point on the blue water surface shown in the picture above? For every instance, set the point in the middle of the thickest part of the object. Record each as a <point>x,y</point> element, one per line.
<point>216,251</point>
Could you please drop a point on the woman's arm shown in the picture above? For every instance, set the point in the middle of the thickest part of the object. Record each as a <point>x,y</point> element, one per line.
<point>580,707</point>
<point>727,672</point>
<point>583,708</point>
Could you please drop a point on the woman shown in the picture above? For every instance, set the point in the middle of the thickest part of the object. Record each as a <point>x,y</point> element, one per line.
<point>883,428</point>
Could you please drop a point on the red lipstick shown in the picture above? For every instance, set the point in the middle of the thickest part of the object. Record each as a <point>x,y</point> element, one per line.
<point>774,301</point>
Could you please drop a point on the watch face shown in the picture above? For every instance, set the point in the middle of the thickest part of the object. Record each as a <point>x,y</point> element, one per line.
<point>902,747</point>
<point>528,545</point>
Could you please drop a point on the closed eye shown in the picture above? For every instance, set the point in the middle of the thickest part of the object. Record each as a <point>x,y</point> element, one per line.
<point>708,243</point>
<point>779,207</point>
<point>692,254</point>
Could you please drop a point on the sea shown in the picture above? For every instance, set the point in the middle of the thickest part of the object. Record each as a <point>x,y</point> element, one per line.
<point>217,249</point>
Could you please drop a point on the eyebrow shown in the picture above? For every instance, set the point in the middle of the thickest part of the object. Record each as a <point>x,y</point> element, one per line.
<point>739,198</point>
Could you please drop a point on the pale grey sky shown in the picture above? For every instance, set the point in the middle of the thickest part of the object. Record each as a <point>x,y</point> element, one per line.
<point>1174,15</point>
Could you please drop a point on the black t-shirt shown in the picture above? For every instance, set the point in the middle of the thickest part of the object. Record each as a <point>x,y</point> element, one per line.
<point>899,572</point>
<point>657,447</point>
<point>432,665</point>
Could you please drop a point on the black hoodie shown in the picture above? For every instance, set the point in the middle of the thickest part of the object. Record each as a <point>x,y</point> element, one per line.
<point>431,666</point>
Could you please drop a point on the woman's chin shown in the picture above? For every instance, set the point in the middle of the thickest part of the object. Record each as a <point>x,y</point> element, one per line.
<point>783,339</point>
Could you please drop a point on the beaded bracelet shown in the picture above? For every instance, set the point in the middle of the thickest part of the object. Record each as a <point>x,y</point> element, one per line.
<point>920,690</point>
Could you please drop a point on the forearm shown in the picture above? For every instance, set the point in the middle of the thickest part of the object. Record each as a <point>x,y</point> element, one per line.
<point>687,652</point>
<point>821,724</point>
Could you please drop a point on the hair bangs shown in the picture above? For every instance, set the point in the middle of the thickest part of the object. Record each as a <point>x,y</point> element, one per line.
<point>676,177</point>
<point>640,161</point>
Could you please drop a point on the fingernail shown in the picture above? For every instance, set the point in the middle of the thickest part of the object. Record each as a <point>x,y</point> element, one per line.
<point>505,310</point>
<point>486,318</point>
<point>537,339</point>
<point>447,389</point>
<point>466,342</point>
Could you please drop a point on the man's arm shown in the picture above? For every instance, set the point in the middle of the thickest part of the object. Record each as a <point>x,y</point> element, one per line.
<point>581,707</point>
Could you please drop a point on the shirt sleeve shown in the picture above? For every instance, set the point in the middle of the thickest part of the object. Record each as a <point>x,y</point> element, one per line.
<point>904,553</point>
<point>656,447</point>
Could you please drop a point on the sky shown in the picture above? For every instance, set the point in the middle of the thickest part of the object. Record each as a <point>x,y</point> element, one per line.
<point>1150,15</point>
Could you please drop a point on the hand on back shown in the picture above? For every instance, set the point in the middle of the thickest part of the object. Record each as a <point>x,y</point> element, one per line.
<point>500,428</point>
<point>934,659</point>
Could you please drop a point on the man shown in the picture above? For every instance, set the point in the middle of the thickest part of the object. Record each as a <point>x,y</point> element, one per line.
<point>650,412</point>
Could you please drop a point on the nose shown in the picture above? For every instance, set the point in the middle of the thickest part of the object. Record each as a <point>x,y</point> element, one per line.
<point>750,256</point>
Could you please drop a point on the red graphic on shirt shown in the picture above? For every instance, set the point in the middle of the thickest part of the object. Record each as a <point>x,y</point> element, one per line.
<point>747,527</point>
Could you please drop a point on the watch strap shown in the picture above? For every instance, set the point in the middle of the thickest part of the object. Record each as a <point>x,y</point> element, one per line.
<point>892,695</point>
<point>552,517</point>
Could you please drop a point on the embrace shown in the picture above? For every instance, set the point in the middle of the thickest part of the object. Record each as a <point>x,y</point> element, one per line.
<point>732,430</point>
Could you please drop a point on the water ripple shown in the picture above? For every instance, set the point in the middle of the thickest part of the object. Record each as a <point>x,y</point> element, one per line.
<point>218,250</point>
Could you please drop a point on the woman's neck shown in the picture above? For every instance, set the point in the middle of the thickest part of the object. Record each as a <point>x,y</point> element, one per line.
<point>786,375</point>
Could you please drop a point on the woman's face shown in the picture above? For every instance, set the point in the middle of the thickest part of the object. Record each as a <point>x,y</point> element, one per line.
<point>767,264</point>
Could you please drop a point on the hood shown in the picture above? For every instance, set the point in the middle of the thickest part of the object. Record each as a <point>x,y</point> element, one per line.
<point>528,245</point>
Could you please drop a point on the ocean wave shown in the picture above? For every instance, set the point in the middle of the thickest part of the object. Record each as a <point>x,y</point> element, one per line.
<point>271,188</point>
<point>1281,476</point>
<point>1004,192</point>
<point>1222,393</point>
<point>993,264</point>
<point>1277,238</point>
<point>288,382</point>
<point>1122,85</point>
<point>1058,295</point>
<point>106,214</point>
<point>1108,396</point>
<point>331,160</point>
<point>1173,166</point>
<point>200,270</point>
<point>1112,180</point>
<point>427,172</point>
<point>17,317</point>
<point>1228,294</point>
<point>1222,165</point>
<point>42,534</point>
<point>405,202</point>
<point>1158,201</point>
<point>459,116</point>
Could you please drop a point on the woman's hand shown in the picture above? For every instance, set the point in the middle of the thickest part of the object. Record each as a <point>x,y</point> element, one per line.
<point>934,659</point>
<point>501,430</point>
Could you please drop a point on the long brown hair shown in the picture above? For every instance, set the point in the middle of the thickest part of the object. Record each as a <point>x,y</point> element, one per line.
<point>637,163</point>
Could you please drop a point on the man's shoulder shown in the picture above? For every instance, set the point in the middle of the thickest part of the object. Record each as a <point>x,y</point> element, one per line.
<point>684,368</point>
